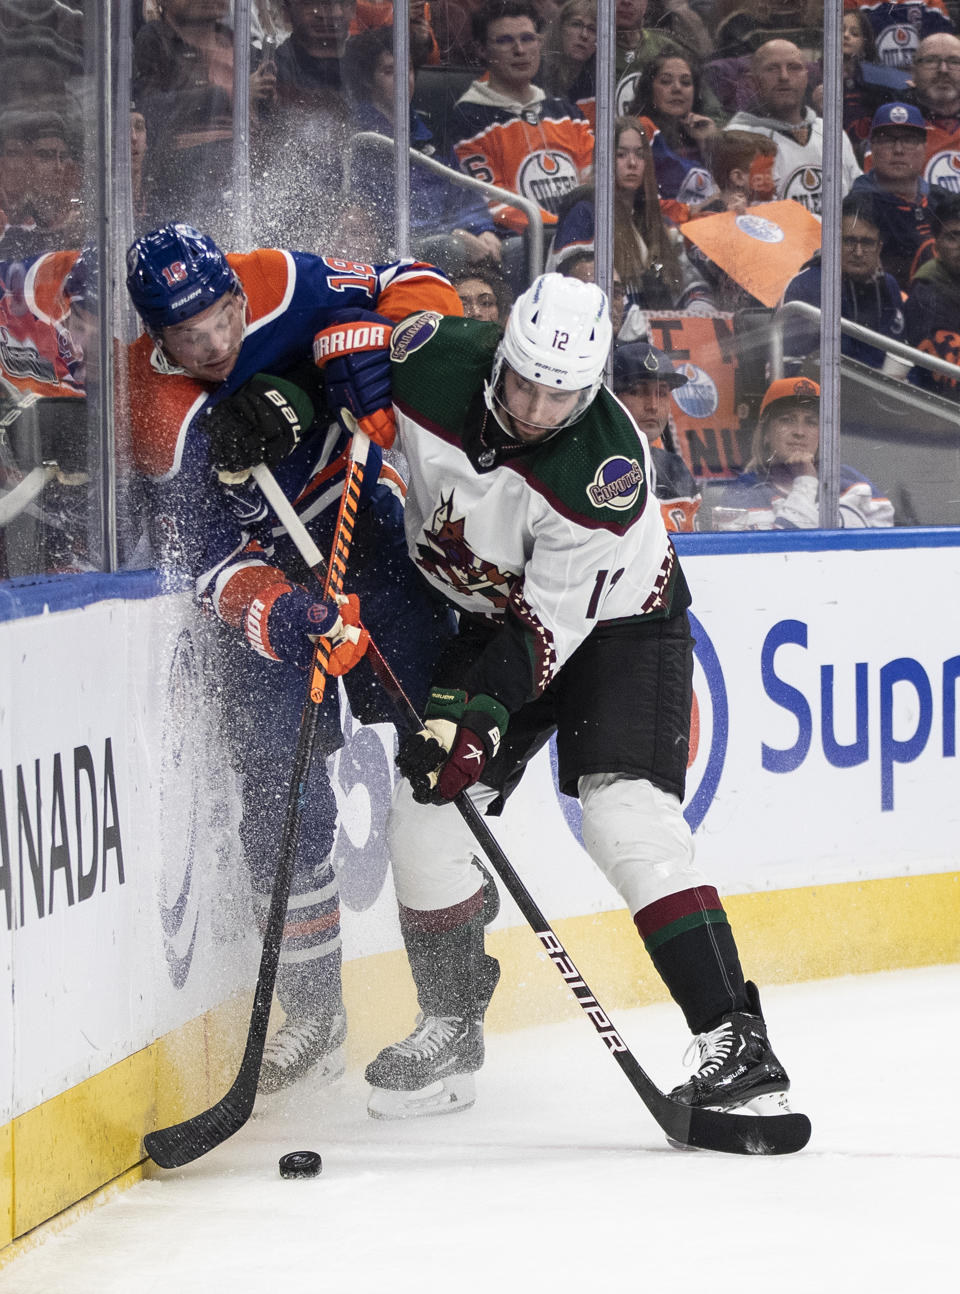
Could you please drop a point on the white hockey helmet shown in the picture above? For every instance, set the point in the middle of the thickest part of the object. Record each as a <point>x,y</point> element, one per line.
<point>558,334</point>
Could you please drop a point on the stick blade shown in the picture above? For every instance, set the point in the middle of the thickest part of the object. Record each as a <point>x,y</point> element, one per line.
<point>184,1142</point>
<point>741,1134</point>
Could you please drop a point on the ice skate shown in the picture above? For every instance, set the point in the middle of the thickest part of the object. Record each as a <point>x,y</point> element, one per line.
<point>430,1072</point>
<point>305,1045</point>
<point>737,1069</point>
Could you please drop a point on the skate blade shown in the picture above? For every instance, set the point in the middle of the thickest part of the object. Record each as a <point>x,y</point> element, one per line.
<point>446,1096</point>
<point>766,1104</point>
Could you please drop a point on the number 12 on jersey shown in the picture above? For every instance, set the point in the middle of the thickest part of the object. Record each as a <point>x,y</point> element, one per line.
<point>598,588</point>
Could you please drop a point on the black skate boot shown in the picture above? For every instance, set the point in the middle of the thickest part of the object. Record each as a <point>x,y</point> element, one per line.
<point>737,1068</point>
<point>305,1044</point>
<point>431,1071</point>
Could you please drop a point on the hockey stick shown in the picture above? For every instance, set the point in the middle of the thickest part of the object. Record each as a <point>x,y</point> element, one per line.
<point>183,1142</point>
<point>734,1133</point>
<point>14,501</point>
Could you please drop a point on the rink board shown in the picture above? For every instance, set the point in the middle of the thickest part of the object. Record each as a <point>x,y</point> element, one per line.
<point>822,791</point>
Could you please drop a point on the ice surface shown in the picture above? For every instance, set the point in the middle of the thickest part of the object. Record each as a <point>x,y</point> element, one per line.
<point>558,1178</point>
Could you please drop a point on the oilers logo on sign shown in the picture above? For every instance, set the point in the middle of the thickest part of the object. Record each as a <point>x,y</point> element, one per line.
<point>764,231</point>
<point>616,484</point>
<point>943,169</point>
<point>412,334</point>
<point>546,175</point>
<point>698,396</point>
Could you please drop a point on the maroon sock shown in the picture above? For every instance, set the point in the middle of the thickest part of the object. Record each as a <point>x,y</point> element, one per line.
<point>692,947</point>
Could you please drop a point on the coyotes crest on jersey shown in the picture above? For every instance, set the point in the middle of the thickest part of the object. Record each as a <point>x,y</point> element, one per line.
<point>445,555</point>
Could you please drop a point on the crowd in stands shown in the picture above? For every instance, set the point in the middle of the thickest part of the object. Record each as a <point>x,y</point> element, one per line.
<point>718,109</point>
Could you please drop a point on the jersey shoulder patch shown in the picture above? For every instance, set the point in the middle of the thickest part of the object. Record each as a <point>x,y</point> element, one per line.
<point>412,334</point>
<point>594,473</point>
<point>441,372</point>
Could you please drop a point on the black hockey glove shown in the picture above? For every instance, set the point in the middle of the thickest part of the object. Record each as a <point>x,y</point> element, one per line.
<point>450,751</point>
<point>260,423</point>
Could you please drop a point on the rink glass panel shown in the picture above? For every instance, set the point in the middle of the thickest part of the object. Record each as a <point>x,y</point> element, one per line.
<point>256,162</point>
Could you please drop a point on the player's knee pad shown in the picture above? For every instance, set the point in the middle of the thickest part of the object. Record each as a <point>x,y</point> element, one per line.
<point>432,850</point>
<point>638,837</point>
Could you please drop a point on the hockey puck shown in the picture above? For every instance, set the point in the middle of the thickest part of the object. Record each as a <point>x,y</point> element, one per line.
<point>300,1163</point>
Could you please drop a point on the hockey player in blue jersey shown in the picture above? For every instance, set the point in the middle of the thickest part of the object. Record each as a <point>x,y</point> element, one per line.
<point>224,377</point>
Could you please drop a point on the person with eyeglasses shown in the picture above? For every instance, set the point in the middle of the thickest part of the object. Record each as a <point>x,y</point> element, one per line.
<point>869,296</point>
<point>569,56</point>
<point>895,184</point>
<point>936,80</point>
<point>933,306</point>
<point>900,25</point>
<point>508,131</point>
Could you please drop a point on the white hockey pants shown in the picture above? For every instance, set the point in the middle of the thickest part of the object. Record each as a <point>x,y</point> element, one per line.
<point>634,832</point>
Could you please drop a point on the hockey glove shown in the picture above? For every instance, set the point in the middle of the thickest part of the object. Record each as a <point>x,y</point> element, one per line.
<point>285,621</point>
<point>354,353</point>
<point>448,754</point>
<point>260,423</point>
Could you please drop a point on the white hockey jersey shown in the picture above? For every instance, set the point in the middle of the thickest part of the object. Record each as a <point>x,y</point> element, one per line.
<point>549,539</point>
<point>798,167</point>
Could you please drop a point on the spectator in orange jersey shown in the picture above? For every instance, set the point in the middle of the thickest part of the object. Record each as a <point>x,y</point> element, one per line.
<point>506,129</point>
<point>936,79</point>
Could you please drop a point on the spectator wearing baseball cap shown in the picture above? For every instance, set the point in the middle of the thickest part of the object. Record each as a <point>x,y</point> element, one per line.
<point>643,378</point>
<point>780,487</point>
<point>898,146</point>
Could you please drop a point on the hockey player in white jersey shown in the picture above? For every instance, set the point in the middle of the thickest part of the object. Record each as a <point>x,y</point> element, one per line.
<point>529,511</point>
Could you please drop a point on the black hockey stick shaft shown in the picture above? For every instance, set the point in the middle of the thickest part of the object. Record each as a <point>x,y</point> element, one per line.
<point>181,1143</point>
<point>687,1125</point>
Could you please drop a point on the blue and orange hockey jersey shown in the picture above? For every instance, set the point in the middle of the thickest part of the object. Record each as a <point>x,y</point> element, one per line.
<point>226,537</point>
<point>900,25</point>
<point>37,354</point>
<point>540,149</point>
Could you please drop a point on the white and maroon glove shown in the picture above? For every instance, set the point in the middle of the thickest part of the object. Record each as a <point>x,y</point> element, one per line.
<point>450,751</point>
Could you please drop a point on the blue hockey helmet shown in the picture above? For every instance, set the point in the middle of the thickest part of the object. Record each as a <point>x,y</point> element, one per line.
<point>175,272</point>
